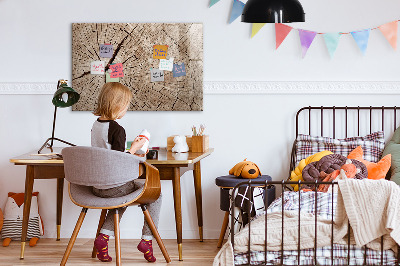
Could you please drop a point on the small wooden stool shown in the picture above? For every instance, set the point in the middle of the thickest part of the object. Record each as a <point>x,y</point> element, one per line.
<point>226,183</point>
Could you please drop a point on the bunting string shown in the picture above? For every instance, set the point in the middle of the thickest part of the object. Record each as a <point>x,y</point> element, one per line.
<point>361,37</point>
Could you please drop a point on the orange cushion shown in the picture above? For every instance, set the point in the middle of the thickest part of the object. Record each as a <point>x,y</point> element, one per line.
<point>375,170</point>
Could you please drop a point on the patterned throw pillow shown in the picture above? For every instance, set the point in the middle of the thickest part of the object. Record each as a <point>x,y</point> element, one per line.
<point>372,145</point>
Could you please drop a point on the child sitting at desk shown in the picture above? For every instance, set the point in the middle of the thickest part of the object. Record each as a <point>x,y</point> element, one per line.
<point>113,102</point>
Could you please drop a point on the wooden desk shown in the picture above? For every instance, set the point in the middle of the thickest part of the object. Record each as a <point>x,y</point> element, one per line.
<point>168,164</point>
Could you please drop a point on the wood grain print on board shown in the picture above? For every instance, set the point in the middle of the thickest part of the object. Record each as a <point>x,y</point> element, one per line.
<point>133,47</point>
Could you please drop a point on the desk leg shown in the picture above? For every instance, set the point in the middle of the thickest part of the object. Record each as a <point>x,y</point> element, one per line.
<point>60,190</point>
<point>176,182</point>
<point>199,204</point>
<point>27,206</point>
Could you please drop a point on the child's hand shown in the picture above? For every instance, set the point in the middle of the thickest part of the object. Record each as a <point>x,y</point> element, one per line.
<point>137,144</point>
<point>143,155</point>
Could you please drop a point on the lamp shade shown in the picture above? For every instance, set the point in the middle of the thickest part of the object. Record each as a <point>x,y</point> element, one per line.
<point>273,11</point>
<point>65,96</point>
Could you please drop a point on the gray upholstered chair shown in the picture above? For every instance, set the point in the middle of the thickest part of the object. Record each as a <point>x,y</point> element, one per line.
<point>85,167</point>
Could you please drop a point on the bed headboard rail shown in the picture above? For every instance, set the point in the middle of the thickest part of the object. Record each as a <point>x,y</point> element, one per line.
<point>346,120</point>
<point>343,122</point>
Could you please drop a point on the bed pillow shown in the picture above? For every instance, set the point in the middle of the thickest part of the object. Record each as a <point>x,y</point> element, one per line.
<point>372,144</point>
<point>393,148</point>
<point>375,170</point>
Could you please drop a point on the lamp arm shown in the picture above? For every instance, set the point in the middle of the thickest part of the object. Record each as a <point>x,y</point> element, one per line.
<point>54,126</point>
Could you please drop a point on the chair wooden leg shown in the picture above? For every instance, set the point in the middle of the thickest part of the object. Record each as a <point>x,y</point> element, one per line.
<point>101,222</point>
<point>223,229</point>
<point>117,238</point>
<point>154,230</point>
<point>73,237</point>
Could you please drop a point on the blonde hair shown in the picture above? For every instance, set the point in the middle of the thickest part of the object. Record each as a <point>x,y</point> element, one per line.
<point>112,99</point>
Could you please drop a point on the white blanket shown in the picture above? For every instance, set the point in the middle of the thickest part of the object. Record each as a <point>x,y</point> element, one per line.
<point>371,206</point>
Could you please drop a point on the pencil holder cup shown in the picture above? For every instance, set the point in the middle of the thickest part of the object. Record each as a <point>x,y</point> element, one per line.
<point>200,143</point>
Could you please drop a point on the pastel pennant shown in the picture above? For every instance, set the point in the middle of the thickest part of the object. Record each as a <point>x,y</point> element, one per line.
<point>256,27</point>
<point>306,39</point>
<point>332,41</point>
<point>361,37</point>
<point>237,9</point>
<point>389,30</point>
<point>213,2</point>
<point>281,31</point>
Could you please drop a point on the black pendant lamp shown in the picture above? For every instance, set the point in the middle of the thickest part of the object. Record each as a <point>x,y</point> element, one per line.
<point>273,11</point>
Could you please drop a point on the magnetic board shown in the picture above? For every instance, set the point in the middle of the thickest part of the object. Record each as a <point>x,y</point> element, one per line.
<point>133,45</point>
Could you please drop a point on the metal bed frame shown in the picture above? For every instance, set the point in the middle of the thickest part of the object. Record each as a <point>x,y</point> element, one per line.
<point>283,184</point>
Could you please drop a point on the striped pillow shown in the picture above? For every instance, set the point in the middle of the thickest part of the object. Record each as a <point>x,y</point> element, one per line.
<point>372,145</point>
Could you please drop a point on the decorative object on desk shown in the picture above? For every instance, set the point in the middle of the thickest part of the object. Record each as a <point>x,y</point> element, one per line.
<point>12,224</point>
<point>180,156</point>
<point>273,11</point>
<point>200,141</point>
<point>64,97</point>
<point>171,143</point>
<point>134,47</point>
<point>152,155</point>
<point>245,169</point>
<point>144,134</point>
<point>180,144</point>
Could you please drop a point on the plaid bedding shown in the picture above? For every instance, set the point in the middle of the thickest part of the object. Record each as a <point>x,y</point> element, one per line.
<point>323,207</point>
<point>372,145</point>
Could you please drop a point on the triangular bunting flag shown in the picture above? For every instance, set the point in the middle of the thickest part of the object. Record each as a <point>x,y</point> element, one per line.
<point>306,39</point>
<point>237,9</point>
<point>332,41</point>
<point>281,31</point>
<point>361,37</point>
<point>390,32</point>
<point>213,2</point>
<point>256,28</point>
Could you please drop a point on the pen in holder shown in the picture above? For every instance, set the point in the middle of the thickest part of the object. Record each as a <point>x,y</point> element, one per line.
<point>200,143</point>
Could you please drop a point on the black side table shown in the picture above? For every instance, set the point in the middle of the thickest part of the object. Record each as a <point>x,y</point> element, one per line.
<point>226,183</point>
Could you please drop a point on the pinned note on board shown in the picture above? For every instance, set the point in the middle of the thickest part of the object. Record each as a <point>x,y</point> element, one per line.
<point>97,67</point>
<point>106,50</point>
<point>156,75</point>
<point>117,70</point>
<point>160,51</point>
<point>166,64</point>
<point>110,79</point>
<point>179,70</point>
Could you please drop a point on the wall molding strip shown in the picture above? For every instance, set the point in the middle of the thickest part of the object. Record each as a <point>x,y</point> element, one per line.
<point>244,87</point>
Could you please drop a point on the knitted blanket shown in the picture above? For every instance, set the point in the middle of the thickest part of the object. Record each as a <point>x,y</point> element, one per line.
<point>371,207</point>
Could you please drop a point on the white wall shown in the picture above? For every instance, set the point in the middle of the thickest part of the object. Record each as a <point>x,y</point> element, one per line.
<point>35,46</point>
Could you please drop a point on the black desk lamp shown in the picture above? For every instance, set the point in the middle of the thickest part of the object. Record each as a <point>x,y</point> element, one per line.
<point>273,11</point>
<point>64,97</point>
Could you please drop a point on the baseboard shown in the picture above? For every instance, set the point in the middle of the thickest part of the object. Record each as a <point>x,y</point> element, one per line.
<point>245,87</point>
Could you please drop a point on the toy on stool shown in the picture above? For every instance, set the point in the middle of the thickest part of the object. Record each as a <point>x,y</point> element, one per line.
<point>245,169</point>
<point>13,215</point>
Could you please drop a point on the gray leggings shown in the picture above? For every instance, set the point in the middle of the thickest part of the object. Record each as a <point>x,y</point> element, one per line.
<point>154,208</point>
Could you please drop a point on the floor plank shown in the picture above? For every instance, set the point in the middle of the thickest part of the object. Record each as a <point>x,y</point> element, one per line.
<point>50,252</point>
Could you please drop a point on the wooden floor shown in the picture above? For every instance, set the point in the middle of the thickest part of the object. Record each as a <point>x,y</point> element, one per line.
<point>50,252</point>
